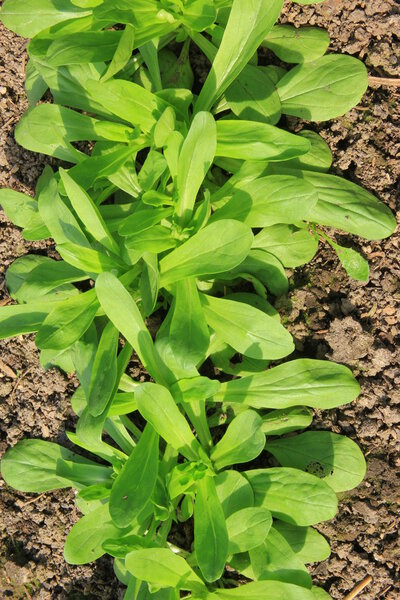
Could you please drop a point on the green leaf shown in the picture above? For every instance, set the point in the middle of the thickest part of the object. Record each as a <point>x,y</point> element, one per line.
<point>253,97</point>
<point>122,53</point>
<point>104,372</point>
<point>248,140</point>
<point>186,338</point>
<point>31,466</point>
<point>88,212</point>
<point>49,129</point>
<point>247,329</point>
<point>91,47</point>
<point>353,263</point>
<point>297,44</point>
<point>129,102</point>
<point>135,483</point>
<point>285,420</point>
<point>243,441</point>
<point>67,322</point>
<point>248,528</point>
<point>25,318</point>
<point>248,24</point>
<point>334,458</point>
<point>198,14</point>
<point>84,543</point>
<point>149,282</point>
<point>33,276</point>
<point>260,590</point>
<point>158,407</point>
<point>291,245</point>
<point>29,17</point>
<point>58,218</point>
<point>164,568</point>
<point>314,383</point>
<point>292,495</point>
<point>306,542</point>
<point>88,259</point>
<point>195,158</point>
<point>210,532</point>
<point>269,200</point>
<point>122,310</point>
<point>318,158</point>
<point>275,560</point>
<point>234,492</point>
<point>266,268</point>
<point>141,220</point>
<point>347,206</point>
<point>323,89</point>
<point>23,211</point>
<point>214,249</point>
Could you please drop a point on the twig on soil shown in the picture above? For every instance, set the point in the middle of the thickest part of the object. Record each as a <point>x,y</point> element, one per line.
<point>18,381</point>
<point>32,500</point>
<point>7,370</point>
<point>27,594</point>
<point>359,588</point>
<point>384,81</point>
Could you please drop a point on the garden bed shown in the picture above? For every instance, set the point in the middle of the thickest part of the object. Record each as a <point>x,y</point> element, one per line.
<point>330,317</point>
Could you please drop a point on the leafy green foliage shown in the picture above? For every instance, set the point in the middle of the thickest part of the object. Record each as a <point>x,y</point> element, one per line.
<point>153,219</point>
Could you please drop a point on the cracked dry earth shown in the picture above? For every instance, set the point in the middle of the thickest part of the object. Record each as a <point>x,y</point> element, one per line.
<point>354,323</point>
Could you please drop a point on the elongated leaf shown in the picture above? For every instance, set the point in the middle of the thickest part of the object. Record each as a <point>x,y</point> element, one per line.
<point>104,372</point>
<point>285,420</point>
<point>292,246</point>
<point>324,88</point>
<point>247,140</point>
<point>23,211</point>
<point>248,24</point>
<point>210,532</point>
<point>214,249</point>
<point>25,318</point>
<point>318,158</point>
<point>248,528</point>
<point>129,102</point>
<point>31,466</point>
<point>122,53</point>
<point>162,567</point>
<point>121,309</point>
<point>29,17</point>
<point>260,590</point>
<point>275,560</point>
<point>335,458</point>
<point>354,264</point>
<point>314,383</point>
<point>270,200</point>
<point>292,495</point>
<point>242,442</point>
<point>158,407</point>
<point>84,542</point>
<point>306,542</point>
<point>134,485</point>
<point>247,329</point>
<point>88,259</point>
<point>195,159</point>
<point>75,48</point>
<point>59,220</point>
<point>149,282</point>
<point>88,212</point>
<point>347,206</point>
<point>49,129</point>
<point>185,342</point>
<point>297,44</point>
<point>234,492</point>
<point>67,322</point>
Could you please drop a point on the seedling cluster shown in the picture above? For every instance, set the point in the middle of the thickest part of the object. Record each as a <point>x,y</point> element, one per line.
<point>187,204</point>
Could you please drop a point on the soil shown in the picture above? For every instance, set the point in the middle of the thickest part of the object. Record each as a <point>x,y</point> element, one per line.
<point>330,317</point>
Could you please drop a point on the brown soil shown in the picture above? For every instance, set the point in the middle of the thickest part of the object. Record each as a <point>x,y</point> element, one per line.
<point>350,322</point>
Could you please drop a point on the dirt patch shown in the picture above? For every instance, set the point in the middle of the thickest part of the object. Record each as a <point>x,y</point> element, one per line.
<point>330,317</point>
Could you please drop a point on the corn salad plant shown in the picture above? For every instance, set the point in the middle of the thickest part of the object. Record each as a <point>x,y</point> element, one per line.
<point>185,203</point>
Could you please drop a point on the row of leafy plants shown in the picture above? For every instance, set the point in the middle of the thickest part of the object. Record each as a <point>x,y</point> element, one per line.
<point>188,205</point>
